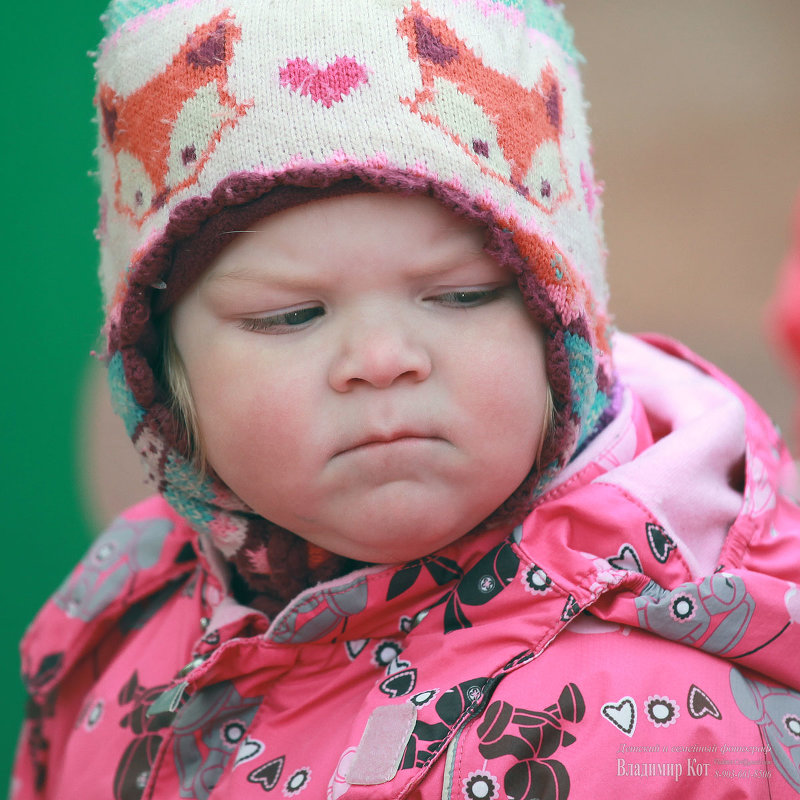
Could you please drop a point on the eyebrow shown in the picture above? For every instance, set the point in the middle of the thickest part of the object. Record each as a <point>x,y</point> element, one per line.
<point>448,259</point>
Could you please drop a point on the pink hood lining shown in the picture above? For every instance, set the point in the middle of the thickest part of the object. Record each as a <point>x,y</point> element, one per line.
<point>688,477</point>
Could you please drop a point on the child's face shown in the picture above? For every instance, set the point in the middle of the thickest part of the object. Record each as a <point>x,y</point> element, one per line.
<point>364,374</point>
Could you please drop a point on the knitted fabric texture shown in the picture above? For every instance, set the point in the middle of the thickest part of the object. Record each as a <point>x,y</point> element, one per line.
<point>217,112</point>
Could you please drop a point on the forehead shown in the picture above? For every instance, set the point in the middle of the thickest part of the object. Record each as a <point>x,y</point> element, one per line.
<point>415,233</point>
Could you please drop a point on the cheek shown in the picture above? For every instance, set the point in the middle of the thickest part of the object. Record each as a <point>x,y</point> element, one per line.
<point>507,368</point>
<point>247,417</point>
<point>507,390</point>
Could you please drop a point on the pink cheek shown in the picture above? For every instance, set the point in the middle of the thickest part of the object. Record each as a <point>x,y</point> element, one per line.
<point>257,404</point>
<point>508,392</point>
<point>260,415</point>
<point>497,374</point>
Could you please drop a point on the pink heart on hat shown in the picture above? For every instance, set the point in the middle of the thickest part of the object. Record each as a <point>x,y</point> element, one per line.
<point>326,85</point>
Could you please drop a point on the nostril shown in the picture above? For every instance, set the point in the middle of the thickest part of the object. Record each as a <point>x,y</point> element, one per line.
<point>380,362</point>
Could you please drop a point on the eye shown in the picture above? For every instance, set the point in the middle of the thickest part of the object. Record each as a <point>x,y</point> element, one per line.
<point>281,322</point>
<point>467,298</point>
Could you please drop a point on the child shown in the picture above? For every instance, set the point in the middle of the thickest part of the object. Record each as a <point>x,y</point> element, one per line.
<point>417,533</point>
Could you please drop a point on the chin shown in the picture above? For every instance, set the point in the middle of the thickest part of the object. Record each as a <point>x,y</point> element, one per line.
<point>393,543</point>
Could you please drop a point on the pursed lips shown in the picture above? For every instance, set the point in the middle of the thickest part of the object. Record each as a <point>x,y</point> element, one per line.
<point>380,438</point>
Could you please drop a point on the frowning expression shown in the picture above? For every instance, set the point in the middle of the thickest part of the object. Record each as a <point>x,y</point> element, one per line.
<point>364,374</point>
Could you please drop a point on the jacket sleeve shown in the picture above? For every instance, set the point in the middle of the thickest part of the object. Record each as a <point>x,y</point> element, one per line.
<point>77,634</point>
<point>49,721</point>
<point>29,773</point>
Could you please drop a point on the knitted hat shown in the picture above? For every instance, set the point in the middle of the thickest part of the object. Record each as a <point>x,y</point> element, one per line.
<point>213,113</point>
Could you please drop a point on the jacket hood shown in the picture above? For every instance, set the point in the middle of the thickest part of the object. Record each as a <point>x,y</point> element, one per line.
<point>211,110</point>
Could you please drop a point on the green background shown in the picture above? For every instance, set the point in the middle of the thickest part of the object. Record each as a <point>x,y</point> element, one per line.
<point>51,312</point>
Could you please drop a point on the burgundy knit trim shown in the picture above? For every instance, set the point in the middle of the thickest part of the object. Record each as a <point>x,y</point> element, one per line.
<point>290,572</point>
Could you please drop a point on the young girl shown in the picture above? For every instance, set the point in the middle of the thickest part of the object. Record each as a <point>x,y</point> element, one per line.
<point>417,533</point>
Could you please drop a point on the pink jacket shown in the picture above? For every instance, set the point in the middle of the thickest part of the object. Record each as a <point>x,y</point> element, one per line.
<point>637,634</point>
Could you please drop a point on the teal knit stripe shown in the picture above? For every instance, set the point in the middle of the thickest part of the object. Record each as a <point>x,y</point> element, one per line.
<point>587,400</point>
<point>122,399</point>
<point>549,19</point>
<point>540,15</point>
<point>120,11</point>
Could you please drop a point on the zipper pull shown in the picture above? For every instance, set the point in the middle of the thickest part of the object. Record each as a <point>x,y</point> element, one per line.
<point>169,701</point>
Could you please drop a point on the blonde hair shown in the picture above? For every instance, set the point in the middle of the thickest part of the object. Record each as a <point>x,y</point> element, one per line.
<point>181,402</point>
<point>547,428</point>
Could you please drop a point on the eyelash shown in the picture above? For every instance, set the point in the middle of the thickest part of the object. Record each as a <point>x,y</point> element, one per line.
<point>467,298</point>
<point>286,321</point>
<point>281,323</point>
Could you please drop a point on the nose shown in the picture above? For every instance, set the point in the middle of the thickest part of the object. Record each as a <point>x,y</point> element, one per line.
<point>379,353</point>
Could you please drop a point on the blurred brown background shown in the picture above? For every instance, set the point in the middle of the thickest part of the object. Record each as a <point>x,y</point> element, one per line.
<point>695,109</point>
